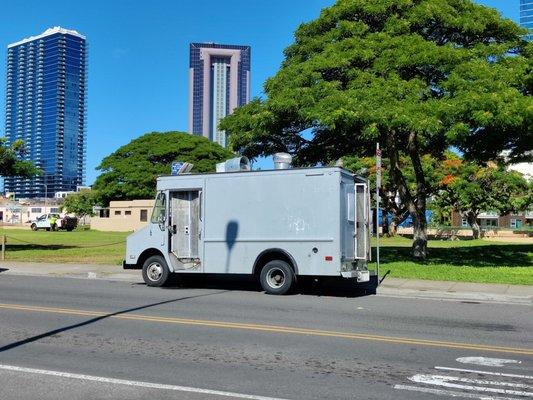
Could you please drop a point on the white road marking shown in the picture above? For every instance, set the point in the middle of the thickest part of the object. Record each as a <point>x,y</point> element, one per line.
<point>447,381</point>
<point>487,362</point>
<point>485,372</point>
<point>451,393</point>
<point>482,381</point>
<point>135,383</point>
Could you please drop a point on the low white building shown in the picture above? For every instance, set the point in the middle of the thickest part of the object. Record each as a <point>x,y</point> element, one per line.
<point>14,213</point>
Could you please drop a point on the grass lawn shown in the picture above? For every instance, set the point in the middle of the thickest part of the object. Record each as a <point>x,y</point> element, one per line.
<point>90,247</point>
<point>466,261</point>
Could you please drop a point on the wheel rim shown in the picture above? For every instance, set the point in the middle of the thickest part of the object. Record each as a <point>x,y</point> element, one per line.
<point>154,272</point>
<point>275,278</point>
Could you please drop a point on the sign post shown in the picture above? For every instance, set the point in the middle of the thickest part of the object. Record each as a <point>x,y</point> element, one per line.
<point>378,186</point>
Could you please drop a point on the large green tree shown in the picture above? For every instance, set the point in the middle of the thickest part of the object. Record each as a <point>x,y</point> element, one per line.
<point>418,76</point>
<point>11,160</point>
<point>471,189</point>
<point>131,171</point>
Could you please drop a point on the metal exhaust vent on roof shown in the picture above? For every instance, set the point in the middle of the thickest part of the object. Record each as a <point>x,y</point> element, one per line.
<point>234,165</point>
<point>282,160</point>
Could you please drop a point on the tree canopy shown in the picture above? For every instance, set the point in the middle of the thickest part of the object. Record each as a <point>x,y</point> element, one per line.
<point>418,76</point>
<point>81,203</point>
<point>11,162</point>
<point>471,189</point>
<point>131,171</point>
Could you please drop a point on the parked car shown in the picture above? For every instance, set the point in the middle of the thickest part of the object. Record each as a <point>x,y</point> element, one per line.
<point>44,222</point>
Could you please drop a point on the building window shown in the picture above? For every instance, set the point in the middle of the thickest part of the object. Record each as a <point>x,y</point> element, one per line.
<point>54,210</point>
<point>118,212</point>
<point>144,215</point>
<point>127,212</point>
<point>464,223</point>
<point>36,210</point>
<point>516,223</point>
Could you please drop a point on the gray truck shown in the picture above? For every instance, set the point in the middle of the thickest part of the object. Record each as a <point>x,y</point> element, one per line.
<point>276,225</point>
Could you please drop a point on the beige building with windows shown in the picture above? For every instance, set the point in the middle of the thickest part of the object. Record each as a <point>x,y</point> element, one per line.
<point>123,216</point>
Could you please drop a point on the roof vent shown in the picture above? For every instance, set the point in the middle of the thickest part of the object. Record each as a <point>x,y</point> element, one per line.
<point>234,165</point>
<point>282,160</point>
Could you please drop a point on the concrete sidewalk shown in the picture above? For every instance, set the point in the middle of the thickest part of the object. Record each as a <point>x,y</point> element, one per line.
<point>463,291</point>
<point>459,291</point>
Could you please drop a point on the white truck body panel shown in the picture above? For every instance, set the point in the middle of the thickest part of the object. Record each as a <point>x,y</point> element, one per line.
<point>222,223</point>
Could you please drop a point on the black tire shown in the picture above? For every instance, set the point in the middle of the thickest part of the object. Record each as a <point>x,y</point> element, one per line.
<point>47,229</point>
<point>33,227</point>
<point>155,271</point>
<point>277,277</point>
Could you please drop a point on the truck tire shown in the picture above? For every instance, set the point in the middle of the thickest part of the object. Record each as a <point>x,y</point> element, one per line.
<point>155,271</point>
<point>33,227</point>
<point>277,277</point>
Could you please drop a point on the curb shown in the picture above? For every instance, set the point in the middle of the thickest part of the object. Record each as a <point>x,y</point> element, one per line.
<point>401,288</point>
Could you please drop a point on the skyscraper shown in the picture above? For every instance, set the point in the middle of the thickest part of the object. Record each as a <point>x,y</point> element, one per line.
<point>526,16</point>
<point>219,82</point>
<point>45,107</point>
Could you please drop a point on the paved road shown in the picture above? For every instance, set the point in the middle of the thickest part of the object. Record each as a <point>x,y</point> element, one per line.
<point>63,338</point>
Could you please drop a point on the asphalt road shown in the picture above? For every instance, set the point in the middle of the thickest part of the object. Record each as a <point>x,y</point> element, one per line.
<point>63,338</point>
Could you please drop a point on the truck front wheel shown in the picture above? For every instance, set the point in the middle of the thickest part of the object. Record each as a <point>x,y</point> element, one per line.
<point>277,277</point>
<point>155,271</point>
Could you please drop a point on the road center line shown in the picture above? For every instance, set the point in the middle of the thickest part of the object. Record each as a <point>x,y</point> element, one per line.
<point>270,328</point>
<point>148,385</point>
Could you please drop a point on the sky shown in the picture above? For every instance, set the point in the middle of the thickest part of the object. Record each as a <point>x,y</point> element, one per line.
<point>138,53</point>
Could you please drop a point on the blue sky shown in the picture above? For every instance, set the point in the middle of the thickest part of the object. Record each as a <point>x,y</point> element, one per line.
<point>138,53</point>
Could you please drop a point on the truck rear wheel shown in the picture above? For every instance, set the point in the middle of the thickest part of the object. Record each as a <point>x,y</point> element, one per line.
<point>277,277</point>
<point>155,271</point>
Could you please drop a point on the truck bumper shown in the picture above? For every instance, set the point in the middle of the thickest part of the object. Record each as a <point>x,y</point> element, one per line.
<point>360,275</point>
<point>356,270</point>
<point>128,266</point>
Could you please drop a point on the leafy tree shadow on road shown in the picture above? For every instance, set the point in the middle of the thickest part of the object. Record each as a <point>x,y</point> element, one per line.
<point>508,255</point>
<point>96,319</point>
<point>326,286</point>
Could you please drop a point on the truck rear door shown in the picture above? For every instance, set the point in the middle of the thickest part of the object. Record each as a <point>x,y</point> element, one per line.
<point>362,221</point>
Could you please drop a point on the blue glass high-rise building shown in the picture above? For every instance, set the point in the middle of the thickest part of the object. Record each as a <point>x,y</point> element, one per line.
<point>219,82</point>
<point>46,108</point>
<point>526,16</point>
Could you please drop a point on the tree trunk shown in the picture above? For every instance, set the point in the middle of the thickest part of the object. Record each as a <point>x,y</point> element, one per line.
<point>397,218</point>
<point>385,222</point>
<point>420,238</point>
<point>393,227</point>
<point>471,218</point>
<point>416,203</point>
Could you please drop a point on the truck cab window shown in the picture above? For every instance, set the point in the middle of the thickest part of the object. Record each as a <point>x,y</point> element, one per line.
<point>159,212</point>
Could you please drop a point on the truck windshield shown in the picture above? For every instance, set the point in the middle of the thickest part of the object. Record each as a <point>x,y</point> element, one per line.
<point>159,212</point>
